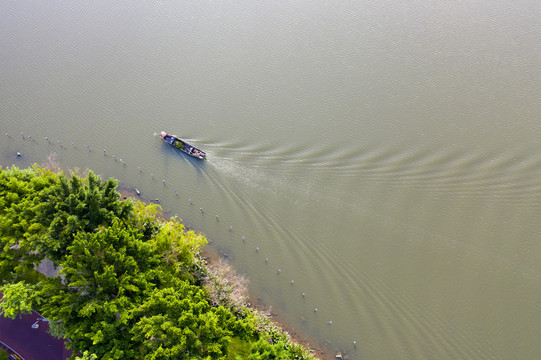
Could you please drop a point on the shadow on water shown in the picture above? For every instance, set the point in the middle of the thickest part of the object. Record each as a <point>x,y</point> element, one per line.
<point>173,155</point>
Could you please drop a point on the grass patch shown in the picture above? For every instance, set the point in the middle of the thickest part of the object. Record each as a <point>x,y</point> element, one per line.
<point>3,355</point>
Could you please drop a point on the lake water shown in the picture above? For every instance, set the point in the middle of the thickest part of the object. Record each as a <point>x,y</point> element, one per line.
<point>384,155</point>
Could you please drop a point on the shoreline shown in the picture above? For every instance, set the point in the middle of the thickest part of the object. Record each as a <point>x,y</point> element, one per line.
<point>212,256</point>
<point>255,304</point>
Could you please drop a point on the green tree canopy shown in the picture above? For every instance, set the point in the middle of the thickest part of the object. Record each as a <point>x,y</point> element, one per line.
<point>178,323</point>
<point>129,281</point>
<point>77,205</point>
<point>18,298</point>
<point>20,191</point>
<point>104,275</point>
<point>177,247</point>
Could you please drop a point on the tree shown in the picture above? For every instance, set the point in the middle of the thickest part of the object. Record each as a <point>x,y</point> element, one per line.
<point>87,356</point>
<point>77,205</point>
<point>145,219</point>
<point>263,350</point>
<point>18,298</point>
<point>20,192</point>
<point>106,273</point>
<point>57,329</point>
<point>178,247</point>
<point>178,323</point>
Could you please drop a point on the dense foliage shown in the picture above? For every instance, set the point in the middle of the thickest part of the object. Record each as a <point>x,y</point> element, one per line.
<point>131,286</point>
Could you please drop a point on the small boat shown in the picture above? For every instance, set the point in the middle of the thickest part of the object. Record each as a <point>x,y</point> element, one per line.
<point>183,146</point>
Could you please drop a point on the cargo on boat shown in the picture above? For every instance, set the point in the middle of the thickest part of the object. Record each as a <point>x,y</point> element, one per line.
<point>183,146</point>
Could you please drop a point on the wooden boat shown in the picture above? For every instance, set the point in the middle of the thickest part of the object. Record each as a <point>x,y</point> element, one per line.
<point>183,146</point>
